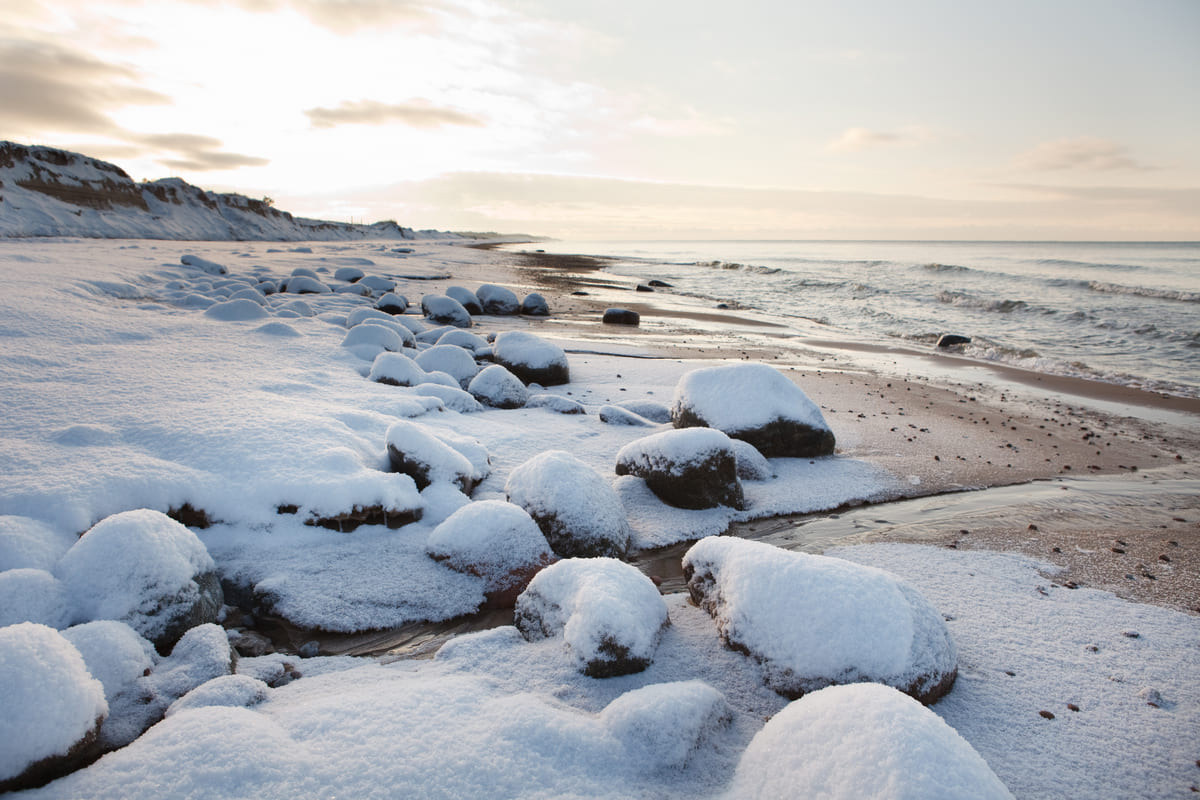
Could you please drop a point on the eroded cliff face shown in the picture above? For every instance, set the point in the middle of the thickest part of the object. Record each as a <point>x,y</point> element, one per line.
<point>45,191</point>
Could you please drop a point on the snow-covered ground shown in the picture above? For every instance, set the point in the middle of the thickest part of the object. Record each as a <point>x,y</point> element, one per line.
<point>133,380</point>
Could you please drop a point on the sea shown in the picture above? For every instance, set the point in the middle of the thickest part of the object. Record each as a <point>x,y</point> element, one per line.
<point>1123,312</point>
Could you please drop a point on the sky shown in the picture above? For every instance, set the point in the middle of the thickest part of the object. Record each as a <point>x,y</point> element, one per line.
<point>805,119</point>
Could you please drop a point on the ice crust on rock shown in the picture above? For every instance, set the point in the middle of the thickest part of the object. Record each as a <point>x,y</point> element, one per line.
<point>52,706</point>
<point>813,621</point>
<point>576,508</point>
<point>145,569</point>
<point>531,358</point>
<point>863,740</point>
<point>493,539</point>
<point>497,387</point>
<point>687,468</point>
<point>756,403</point>
<point>610,616</point>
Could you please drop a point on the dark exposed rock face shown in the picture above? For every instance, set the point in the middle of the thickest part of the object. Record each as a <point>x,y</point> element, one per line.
<point>442,310</point>
<point>532,359</point>
<point>535,305</point>
<point>467,298</point>
<point>776,439</point>
<point>497,300</point>
<point>621,316</point>
<point>952,339</point>
<point>39,773</point>
<point>700,474</point>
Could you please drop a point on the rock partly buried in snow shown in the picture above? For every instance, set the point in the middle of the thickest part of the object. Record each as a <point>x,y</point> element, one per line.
<point>25,542</point>
<point>497,387</point>
<point>461,338</point>
<point>664,724</point>
<point>693,468</point>
<point>348,274</point>
<point>368,341</point>
<point>145,569</point>
<point>443,310</point>
<point>577,510</point>
<point>757,404</point>
<point>616,415</point>
<point>392,303</point>
<point>866,740</point>
<point>530,358</point>
<point>229,691</point>
<point>396,369</point>
<point>303,284</point>
<point>621,316</point>
<point>407,338</point>
<point>609,614</point>
<point>556,403</point>
<point>52,706</point>
<point>32,595</point>
<point>751,464</point>
<point>454,361</point>
<point>414,450</point>
<point>534,305</point>
<point>813,621</point>
<point>239,310</point>
<point>497,300</point>
<point>115,654</point>
<point>466,297</point>
<point>211,267</point>
<point>496,541</point>
<point>452,397</point>
<point>649,409</point>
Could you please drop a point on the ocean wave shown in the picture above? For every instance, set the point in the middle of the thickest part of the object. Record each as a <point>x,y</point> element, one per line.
<point>935,267</point>
<point>733,265</point>
<point>1143,291</point>
<point>1066,262</point>
<point>971,301</point>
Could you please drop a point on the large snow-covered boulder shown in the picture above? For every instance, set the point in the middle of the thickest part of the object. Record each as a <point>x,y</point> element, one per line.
<point>32,595</point>
<point>468,299</point>
<point>757,404</point>
<point>813,621</point>
<point>368,341</point>
<point>495,540</point>
<point>865,740</point>
<point>497,387</point>
<point>414,450</point>
<point>693,468</point>
<point>443,310</point>
<point>51,707</point>
<point>576,508</point>
<point>454,361</point>
<point>609,614</point>
<point>145,569</point>
<point>531,358</point>
<point>497,299</point>
<point>396,369</point>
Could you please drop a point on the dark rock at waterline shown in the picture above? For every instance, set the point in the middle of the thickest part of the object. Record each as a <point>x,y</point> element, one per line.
<point>534,305</point>
<point>656,283</point>
<point>370,515</point>
<point>621,316</point>
<point>952,339</point>
<point>641,287</point>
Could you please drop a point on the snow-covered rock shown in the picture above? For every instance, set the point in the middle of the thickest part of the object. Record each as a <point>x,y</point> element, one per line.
<point>534,305</point>
<point>232,691</point>
<point>52,707</point>
<point>25,542</point>
<point>649,409</point>
<point>392,303</point>
<point>466,298</point>
<point>115,654</point>
<point>414,450</point>
<point>452,397</point>
<point>497,300</point>
<point>751,464</point>
<point>145,569</point>
<point>865,740</point>
<point>463,339</point>
<point>454,361</point>
<point>32,595</point>
<point>368,341</point>
<point>377,284</point>
<point>406,336</point>
<point>556,403</point>
<point>531,358</point>
<point>211,267</point>
<point>664,724</point>
<point>497,387</point>
<point>610,615</point>
<point>304,284</point>
<point>443,310</point>
<point>616,415</point>
<point>756,403</point>
<point>494,540</point>
<point>237,310</point>
<point>691,468</point>
<point>813,621</point>
<point>576,508</point>
<point>348,274</point>
<point>396,369</point>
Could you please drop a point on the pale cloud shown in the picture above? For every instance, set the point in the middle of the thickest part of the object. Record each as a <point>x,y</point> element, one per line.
<point>856,140</point>
<point>690,123</point>
<point>417,113</point>
<point>1081,154</point>
<point>350,16</point>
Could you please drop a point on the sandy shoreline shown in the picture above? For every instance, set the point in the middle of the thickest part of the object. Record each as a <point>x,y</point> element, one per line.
<point>947,424</point>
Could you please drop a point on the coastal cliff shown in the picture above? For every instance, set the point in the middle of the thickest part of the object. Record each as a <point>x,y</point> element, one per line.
<point>45,191</point>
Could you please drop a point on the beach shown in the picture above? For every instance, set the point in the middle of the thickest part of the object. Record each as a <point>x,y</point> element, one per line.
<point>1090,487</point>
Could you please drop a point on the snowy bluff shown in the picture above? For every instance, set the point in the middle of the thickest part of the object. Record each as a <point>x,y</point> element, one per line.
<point>49,192</point>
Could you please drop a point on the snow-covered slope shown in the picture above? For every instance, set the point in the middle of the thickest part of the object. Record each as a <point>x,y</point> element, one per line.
<point>50,192</point>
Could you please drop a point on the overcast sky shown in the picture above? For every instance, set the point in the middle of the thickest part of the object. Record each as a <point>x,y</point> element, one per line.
<point>1012,119</point>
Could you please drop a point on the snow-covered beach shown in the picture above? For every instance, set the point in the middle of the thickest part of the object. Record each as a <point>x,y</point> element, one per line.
<point>162,376</point>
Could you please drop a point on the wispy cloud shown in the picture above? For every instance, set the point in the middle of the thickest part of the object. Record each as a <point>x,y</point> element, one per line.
<point>195,153</point>
<point>1080,154</point>
<point>855,140</point>
<point>415,113</point>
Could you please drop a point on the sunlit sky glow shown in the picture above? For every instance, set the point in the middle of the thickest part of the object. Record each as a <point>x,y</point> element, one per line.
<point>1026,119</point>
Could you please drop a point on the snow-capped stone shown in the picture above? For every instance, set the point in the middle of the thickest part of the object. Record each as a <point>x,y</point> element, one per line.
<point>813,621</point>
<point>610,616</point>
<point>233,691</point>
<point>298,307</point>
<point>253,295</point>
<point>535,305</point>
<point>443,310</point>
<point>368,341</point>
<point>25,542</point>
<point>115,654</point>
<point>377,284</point>
<point>466,298</point>
<point>531,358</point>
<point>305,272</point>
<point>621,316</point>
<point>303,284</point>
<point>663,725</point>
<point>32,595</point>
<point>751,464</point>
<point>392,303</point>
<point>576,508</point>
<point>497,387</point>
<point>616,415</point>
<point>464,339</point>
<point>145,569</point>
<point>556,403</point>
<point>497,300</point>
<point>348,274</point>
<point>406,336</point>
<point>396,369</point>
<point>415,451</point>
<point>454,361</point>
<point>494,540</point>
<point>756,403</point>
<point>211,267</point>
<point>650,409</point>
<point>455,399</point>
<point>693,468</point>
<point>52,706</point>
<point>863,740</point>
<point>238,310</point>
